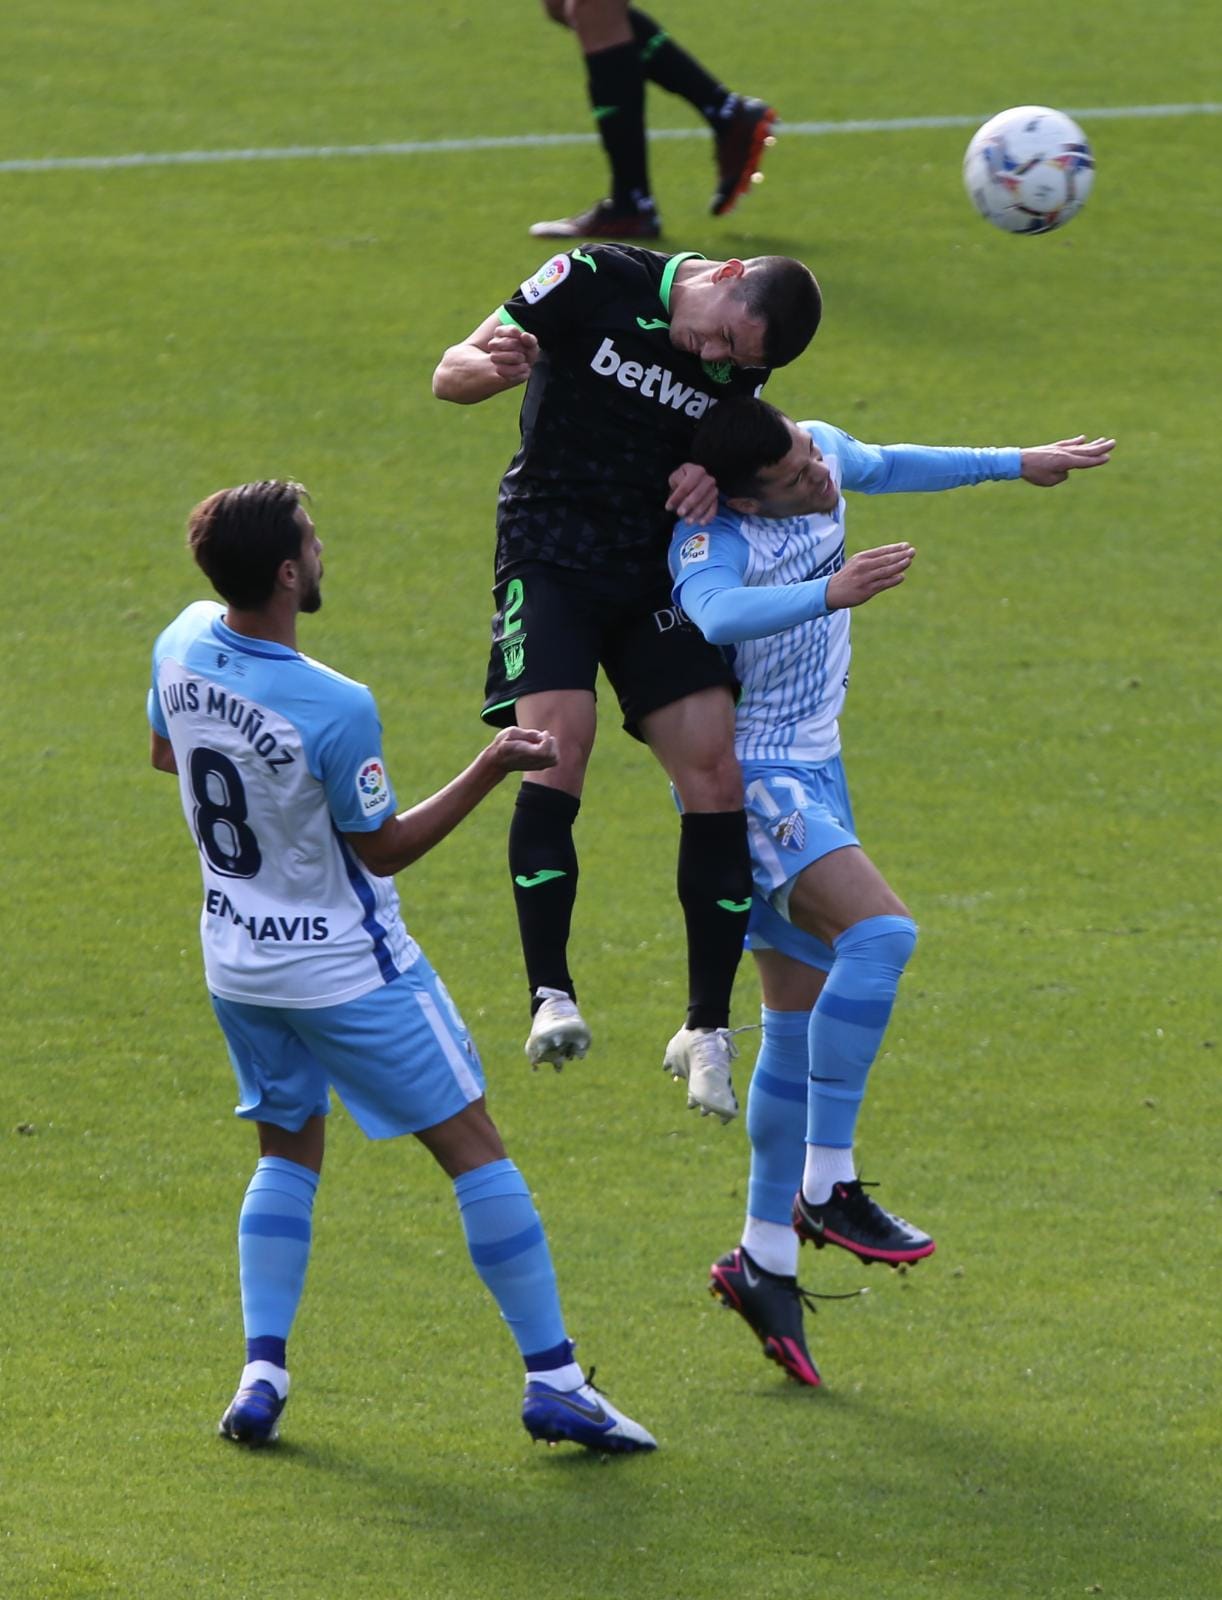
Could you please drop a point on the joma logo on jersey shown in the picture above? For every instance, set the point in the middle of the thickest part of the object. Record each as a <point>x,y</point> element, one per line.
<point>655,383</point>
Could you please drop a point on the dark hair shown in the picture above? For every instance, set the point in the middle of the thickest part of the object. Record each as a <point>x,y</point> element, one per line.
<point>240,537</point>
<point>784,294</point>
<point>736,440</point>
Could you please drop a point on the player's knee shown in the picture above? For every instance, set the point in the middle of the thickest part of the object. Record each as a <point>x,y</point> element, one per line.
<point>711,781</point>
<point>887,941</point>
<point>569,773</point>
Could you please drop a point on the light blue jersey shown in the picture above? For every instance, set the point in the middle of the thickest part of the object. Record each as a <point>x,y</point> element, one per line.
<point>757,585</point>
<point>278,757</point>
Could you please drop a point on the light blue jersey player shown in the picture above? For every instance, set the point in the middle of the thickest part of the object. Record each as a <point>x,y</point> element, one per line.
<point>768,580</point>
<point>314,979</point>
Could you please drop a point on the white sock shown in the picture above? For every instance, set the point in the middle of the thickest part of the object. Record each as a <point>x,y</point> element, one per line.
<point>826,1165</point>
<point>276,1376</point>
<point>772,1245</point>
<point>566,1378</point>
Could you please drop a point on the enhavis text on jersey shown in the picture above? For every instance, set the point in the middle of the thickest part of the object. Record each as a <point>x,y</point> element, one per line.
<point>279,930</point>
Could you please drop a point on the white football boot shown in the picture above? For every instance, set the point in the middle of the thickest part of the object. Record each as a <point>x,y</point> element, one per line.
<point>557,1031</point>
<point>702,1057</point>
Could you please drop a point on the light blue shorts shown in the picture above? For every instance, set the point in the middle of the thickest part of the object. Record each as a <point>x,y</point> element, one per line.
<point>400,1058</point>
<point>795,815</point>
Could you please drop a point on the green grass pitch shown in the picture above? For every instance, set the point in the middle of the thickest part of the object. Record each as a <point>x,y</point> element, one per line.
<point>1031,740</point>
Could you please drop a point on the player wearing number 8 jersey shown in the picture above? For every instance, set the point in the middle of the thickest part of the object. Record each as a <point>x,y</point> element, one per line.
<point>291,916</point>
<point>314,979</point>
<point>769,579</point>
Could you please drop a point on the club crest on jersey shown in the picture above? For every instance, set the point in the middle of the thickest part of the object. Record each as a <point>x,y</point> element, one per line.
<point>513,651</point>
<point>545,280</point>
<point>790,831</point>
<point>372,789</point>
<point>694,549</point>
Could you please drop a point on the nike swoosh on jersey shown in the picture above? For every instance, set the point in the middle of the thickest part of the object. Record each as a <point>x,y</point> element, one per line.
<point>735,905</point>
<point>545,876</point>
<point>580,255</point>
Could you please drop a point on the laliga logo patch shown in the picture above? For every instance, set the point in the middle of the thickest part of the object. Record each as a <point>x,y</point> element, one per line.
<point>694,549</point>
<point>372,788</point>
<point>545,280</point>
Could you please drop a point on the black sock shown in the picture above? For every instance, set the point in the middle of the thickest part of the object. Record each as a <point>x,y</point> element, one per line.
<point>543,866</point>
<point>617,95</point>
<point>669,66</point>
<point>715,893</point>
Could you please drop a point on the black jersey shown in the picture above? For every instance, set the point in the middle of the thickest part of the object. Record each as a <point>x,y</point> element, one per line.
<point>608,414</point>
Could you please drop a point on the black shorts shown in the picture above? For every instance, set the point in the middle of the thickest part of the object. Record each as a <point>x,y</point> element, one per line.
<point>554,628</point>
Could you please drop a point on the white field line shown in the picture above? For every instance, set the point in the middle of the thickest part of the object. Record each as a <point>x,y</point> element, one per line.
<point>543,141</point>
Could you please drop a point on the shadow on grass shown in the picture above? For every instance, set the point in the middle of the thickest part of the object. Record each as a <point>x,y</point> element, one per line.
<point>902,1501</point>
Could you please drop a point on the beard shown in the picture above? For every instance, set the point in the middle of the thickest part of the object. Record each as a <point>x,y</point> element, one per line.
<point>311,600</point>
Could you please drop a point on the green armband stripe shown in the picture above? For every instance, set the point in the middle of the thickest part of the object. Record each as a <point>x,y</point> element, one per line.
<point>509,319</point>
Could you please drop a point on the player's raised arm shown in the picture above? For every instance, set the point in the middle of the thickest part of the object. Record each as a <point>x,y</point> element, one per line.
<point>1046,465</point>
<point>496,357</point>
<point>405,838</point>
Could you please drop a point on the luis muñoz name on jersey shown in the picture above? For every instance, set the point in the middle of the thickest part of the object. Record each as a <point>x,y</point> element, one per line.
<point>185,697</point>
<point>654,382</point>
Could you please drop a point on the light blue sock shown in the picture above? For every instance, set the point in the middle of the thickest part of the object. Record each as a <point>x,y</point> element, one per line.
<point>848,1023</point>
<point>274,1231</point>
<point>509,1250</point>
<point>776,1103</point>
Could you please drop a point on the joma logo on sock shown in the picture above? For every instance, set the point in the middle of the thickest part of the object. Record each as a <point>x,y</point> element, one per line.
<point>655,383</point>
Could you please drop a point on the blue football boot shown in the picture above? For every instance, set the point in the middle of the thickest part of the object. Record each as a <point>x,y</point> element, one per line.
<point>253,1416</point>
<point>581,1416</point>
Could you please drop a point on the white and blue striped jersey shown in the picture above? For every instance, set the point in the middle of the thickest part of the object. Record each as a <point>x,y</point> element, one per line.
<point>278,757</point>
<point>790,653</point>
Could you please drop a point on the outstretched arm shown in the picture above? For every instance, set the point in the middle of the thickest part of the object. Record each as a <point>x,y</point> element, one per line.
<point>405,838</point>
<point>920,468</point>
<point>1046,465</point>
<point>728,612</point>
<point>496,357</point>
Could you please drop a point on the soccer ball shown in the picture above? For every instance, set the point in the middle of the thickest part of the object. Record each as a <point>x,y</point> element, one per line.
<point>1029,169</point>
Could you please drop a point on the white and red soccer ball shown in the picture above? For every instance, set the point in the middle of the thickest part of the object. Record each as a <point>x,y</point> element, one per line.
<point>1029,169</point>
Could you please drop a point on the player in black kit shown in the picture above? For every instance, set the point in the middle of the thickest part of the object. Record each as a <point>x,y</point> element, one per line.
<point>623,350</point>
